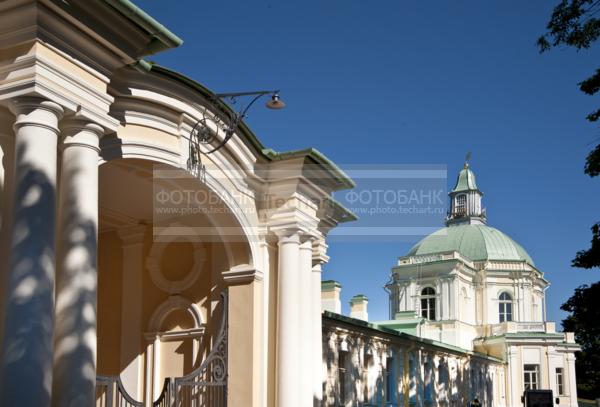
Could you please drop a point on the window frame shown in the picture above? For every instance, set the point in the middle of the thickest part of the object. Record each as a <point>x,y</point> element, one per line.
<point>430,301</point>
<point>505,307</point>
<point>531,372</point>
<point>560,381</point>
<point>460,204</point>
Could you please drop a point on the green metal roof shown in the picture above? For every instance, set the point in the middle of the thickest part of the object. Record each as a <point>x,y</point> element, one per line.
<point>162,37</point>
<point>330,285</point>
<point>358,298</point>
<point>465,181</point>
<point>475,242</point>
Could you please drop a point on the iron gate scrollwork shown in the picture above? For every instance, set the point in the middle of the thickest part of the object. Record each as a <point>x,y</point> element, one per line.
<point>206,386</point>
<point>110,392</point>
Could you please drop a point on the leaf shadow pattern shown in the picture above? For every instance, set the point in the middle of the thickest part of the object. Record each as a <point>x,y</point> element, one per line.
<point>26,362</point>
<point>75,325</point>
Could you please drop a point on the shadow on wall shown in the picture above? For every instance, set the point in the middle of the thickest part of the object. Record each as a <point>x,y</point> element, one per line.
<point>76,314</point>
<point>30,286</point>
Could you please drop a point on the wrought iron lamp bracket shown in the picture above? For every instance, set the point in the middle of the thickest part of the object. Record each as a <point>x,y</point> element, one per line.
<point>225,121</point>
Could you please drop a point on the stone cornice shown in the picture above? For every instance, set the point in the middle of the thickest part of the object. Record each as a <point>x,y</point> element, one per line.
<point>39,74</point>
<point>242,274</point>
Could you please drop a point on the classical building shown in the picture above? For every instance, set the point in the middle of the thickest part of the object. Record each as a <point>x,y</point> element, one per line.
<point>467,320</point>
<point>154,253</point>
<point>137,266</point>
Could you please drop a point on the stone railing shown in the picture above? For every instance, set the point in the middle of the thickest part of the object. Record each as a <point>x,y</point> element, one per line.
<point>430,258</point>
<point>529,326</point>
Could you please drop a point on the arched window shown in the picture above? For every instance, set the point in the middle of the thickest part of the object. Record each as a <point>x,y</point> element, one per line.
<point>505,307</point>
<point>428,303</point>
<point>461,204</point>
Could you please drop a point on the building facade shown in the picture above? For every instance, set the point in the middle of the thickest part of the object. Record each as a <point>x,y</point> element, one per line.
<point>473,303</point>
<point>136,266</point>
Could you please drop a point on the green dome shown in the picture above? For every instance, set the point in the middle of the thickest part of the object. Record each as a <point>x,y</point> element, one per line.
<point>473,241</point>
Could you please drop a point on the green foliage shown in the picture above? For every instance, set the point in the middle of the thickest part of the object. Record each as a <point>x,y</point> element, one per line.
<point>590,258</point>
<point>584,313</point>
<point>574,23</point>
<point>592,84</point>
<point>592,165</point>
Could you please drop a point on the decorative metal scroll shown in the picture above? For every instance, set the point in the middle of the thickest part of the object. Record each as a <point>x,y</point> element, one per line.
<point>207,385</point>
<point>164,399</point>
<point>204,387</point>
<point>111,393</point>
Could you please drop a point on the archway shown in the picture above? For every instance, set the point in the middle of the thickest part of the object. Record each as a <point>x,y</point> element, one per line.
<point>160,273</point>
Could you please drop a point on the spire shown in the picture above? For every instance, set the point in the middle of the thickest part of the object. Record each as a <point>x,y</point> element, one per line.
<point>465,199</point>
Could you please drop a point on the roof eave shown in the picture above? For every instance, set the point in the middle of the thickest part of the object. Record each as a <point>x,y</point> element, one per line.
<point>162,37</point>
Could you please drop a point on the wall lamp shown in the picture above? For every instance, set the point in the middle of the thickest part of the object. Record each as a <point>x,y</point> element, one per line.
<point>227,123</point>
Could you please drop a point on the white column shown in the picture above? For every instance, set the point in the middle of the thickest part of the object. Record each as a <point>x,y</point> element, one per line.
<point>288,329</point>
<point>132,239</point>
<point>515,386</point>
<point>317,334</point>
<point>149,365</point>
<point>305,307</point>
<point>77,275</point>
<point>26,360</point>
<point>439,299</point>
<point>570,371</point>
<point>156,368</point>
<point>454,297</point>
<point>446,299</point>
<point>6,193</point>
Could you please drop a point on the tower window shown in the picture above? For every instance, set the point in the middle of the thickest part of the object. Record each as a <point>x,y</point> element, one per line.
<point>505,307</point>
<point>428,303</point>
<point>461,204</point>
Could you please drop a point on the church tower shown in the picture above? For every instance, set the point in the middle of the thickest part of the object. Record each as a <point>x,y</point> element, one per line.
<point>465,200</point>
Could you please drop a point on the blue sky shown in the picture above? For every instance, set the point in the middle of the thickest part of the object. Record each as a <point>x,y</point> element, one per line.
<point>412,82</point>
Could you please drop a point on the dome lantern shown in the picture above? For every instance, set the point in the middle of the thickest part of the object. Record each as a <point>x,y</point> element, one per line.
<point>465,199</point>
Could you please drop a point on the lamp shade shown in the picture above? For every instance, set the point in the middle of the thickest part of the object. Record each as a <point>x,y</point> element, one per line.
<point>275,103</point>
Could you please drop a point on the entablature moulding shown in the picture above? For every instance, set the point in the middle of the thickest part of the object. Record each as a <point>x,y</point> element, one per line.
<point>339,338</point>
<point>103,35</point>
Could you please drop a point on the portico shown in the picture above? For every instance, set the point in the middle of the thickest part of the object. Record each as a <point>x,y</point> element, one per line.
<point>97,281</point>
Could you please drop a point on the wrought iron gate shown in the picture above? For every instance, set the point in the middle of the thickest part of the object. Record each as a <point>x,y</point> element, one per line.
<point>206,386</point>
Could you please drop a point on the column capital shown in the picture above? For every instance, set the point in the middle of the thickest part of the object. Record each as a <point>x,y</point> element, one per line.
<point>288,234</point>
<point>36,111</point>
<point>79,132</point>
<point>306,244</point>
<point>319,249</point>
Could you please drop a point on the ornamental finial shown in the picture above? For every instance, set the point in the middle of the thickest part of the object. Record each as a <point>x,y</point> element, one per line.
<point>467,158</point>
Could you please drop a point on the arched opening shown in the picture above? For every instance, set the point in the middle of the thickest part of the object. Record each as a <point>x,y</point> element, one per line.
<point>160,274</point>
<point>428,303</point>
<point>505,307</point>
